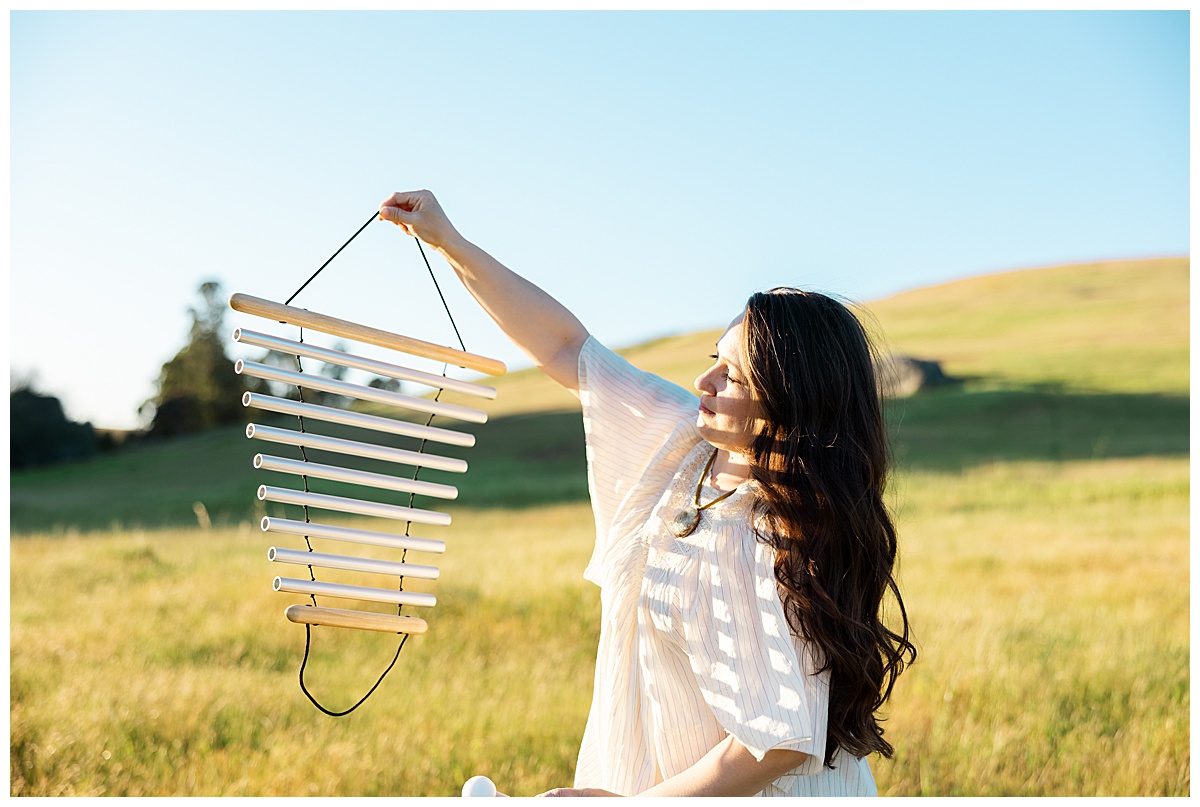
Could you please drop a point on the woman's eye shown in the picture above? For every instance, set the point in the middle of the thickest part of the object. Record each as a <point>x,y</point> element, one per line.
<point>724,373</point>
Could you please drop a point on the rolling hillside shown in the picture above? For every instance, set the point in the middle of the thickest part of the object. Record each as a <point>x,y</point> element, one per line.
<point>1062,362</point>
<point>1102,327</point>
<point>1043,512</point>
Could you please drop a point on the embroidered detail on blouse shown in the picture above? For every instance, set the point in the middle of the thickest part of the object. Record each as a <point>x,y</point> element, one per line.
<point>681,492</point>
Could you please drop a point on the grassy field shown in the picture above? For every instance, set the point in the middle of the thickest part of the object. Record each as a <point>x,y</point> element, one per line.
<point>1043,507</point>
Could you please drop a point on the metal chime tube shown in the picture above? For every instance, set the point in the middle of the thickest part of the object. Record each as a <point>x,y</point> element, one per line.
<point>366,593</point>
<point>358,391</point>
<point>354,448</point>
<point>354,564</point>
<point>360,507</point>
<point>352,535</point>
<point>282,465</point>
<point>358,419</point>
<point>281,345</point>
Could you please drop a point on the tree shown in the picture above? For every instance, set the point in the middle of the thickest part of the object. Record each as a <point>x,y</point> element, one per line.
<point>197,389</point>
<point>40,432</point>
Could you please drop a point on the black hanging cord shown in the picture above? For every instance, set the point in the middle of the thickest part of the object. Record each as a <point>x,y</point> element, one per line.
<point>443,299</point>
<point>411,496</point>
<point>374,216</point>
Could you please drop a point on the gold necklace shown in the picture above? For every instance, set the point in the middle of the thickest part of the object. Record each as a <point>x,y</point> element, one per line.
<point>686,521</point>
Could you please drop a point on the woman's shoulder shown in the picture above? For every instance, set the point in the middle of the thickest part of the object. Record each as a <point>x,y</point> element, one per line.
<point>610,375</point>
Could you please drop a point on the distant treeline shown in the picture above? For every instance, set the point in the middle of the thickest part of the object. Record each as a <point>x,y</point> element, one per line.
<point>41,433</point>
<point>196,390</point>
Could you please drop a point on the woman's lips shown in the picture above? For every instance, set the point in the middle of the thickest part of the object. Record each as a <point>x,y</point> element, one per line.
<point>705,409</point>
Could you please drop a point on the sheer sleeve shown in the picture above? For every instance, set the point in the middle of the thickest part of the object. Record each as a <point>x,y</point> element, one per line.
<point>758,679</point>
<point>629,417</point>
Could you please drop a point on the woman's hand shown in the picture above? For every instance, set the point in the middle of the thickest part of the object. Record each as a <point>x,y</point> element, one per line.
<point>419,214</point>
<point>729,769</point>
<point>536,322</point>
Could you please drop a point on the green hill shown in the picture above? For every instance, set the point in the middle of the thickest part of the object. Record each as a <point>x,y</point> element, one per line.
<point>1070,362</point>
<point>1120,326</point>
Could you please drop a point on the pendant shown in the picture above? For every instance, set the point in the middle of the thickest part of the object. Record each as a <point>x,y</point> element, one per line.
<point>685,522</point>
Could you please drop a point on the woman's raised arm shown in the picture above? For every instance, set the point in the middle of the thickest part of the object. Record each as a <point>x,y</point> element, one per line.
<point>537,323</point>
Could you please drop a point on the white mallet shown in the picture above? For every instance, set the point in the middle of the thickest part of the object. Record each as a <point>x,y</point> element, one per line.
<point>479,786</point>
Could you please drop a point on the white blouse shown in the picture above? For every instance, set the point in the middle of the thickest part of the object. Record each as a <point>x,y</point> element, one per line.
<point>694,644</point>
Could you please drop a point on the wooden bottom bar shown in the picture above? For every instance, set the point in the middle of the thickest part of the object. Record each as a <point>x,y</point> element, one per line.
<point>356,620</point>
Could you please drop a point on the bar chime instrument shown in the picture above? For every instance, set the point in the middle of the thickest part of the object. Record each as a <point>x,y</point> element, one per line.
<point>371,426</point>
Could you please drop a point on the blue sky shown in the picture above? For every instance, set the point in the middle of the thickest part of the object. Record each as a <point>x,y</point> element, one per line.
<point>651,170</point>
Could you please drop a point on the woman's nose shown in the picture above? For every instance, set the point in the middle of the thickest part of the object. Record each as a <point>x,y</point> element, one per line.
<point>703,382</point>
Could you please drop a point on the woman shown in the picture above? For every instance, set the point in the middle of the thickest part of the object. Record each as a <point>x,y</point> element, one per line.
<point>742,546</point>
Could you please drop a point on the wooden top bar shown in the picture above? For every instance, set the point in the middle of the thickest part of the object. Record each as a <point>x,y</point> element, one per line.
<point>258,307</point>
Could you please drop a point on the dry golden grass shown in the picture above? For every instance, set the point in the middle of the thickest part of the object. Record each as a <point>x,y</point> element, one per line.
<point>1050,603</point>
<point>159,663</point>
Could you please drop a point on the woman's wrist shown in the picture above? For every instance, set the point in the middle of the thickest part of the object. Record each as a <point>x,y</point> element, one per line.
<point>453,246</point>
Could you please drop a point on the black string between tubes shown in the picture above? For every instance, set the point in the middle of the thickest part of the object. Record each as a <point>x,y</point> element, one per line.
<point>411,496</point>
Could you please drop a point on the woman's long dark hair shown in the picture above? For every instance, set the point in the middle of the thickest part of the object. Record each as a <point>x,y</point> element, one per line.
<point>820,457</point>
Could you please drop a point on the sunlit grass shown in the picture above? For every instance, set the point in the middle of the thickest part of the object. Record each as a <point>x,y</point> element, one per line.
<point>1049,601</point>
<point>160,663</point>
<point>1051,608</point>
<point>1120,326</point>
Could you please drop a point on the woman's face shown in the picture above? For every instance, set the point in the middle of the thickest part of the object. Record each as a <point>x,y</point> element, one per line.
<point>728,410</point>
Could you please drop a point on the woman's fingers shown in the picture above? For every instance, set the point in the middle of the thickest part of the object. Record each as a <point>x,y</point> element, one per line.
<point>410,200</point>
<point>399,209</point>
<point>396,215</point>
<point>417,213</point>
